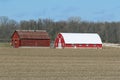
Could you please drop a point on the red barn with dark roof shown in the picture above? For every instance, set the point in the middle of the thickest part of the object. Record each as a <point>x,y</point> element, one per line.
<point>37,38</point>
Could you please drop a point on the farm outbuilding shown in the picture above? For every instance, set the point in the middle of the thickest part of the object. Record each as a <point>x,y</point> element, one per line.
<point>78,40</point>
<point>32,38</point>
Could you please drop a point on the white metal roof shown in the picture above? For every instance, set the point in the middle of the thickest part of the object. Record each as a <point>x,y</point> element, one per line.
<point>82,38</point>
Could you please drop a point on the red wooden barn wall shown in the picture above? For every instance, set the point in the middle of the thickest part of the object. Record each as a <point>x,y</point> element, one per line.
<point>41,42</point>
<point>17,41</point>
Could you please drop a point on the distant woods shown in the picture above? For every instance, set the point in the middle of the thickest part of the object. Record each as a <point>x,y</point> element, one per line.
<point>109,31</point>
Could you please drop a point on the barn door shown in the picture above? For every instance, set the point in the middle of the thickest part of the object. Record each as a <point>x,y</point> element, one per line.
<point>59,43</point>
<point>16,43</point>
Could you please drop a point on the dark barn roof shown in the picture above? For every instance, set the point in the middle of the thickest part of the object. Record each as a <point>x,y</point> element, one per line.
<point>32,34</point>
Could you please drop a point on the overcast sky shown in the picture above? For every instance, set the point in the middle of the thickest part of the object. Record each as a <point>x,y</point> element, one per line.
<point>90,10</point>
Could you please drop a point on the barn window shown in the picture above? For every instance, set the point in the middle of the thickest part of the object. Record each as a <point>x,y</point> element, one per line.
<point>87,45</point>
<point>94,45</point>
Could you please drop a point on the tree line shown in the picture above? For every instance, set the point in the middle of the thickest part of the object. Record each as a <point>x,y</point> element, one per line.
<point>108,31</point>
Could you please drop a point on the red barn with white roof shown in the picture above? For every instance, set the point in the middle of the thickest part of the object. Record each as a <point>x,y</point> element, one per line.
<point>32,38</point>
<point>78,40</point>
